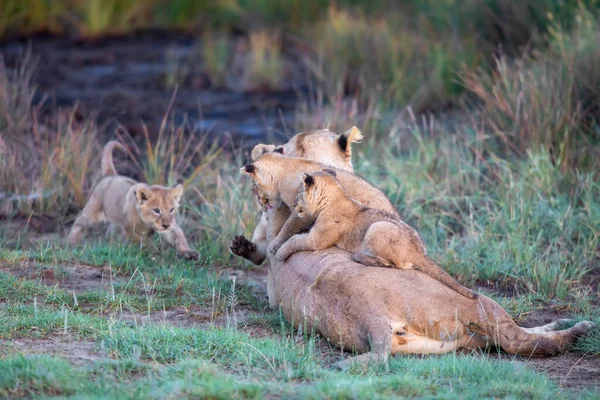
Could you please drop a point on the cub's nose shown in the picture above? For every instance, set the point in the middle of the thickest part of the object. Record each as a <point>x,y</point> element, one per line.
<point>166,225</point>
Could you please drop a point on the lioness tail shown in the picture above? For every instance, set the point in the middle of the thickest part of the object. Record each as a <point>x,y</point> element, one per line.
<point>108,168</point>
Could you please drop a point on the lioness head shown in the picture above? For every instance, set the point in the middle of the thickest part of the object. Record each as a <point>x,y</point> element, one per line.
<point>156,205</point>
<point>320,145</point>
<point>261,149</point>
<point>314,188</point>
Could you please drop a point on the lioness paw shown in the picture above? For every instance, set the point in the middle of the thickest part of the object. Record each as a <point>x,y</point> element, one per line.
<point>189,254</point>
<point>241,247</point>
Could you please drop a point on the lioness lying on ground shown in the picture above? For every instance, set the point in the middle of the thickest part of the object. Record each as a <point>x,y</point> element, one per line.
<point>321,146</point>
<point>375,237</point>
<point>380,311</point>
<point>135,209</point>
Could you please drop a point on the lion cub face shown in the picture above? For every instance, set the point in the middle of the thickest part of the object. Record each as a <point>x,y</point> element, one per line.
<point>156,205</point>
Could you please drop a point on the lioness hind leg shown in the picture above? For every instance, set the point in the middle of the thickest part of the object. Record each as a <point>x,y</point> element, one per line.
<point>551,327</point>
<point>499,327</point>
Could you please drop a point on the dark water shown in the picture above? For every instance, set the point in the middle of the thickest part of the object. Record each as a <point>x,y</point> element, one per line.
<point>124,81</point>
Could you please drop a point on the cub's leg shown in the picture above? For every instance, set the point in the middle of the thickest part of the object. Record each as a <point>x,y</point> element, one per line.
<point>142,239</point>
<point>367,260</point>
<point>318,238</point>
<point>176,238</point>
<point>404,248</point>
<point>254,250</point>
<point>292,226</point>
<point>90,215</point>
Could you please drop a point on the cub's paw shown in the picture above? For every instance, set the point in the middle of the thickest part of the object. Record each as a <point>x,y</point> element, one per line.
<point>242,247</point>
<point>274,248</point>
<point>188,254</point>
<point>283,254</point>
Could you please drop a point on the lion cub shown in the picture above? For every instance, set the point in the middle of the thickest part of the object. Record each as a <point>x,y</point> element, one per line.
<point>136,209</point>
<point>376,237</point>
<point>320,145</point>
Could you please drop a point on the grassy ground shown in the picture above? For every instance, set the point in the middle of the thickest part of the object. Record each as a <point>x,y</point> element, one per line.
<point>122,322</point>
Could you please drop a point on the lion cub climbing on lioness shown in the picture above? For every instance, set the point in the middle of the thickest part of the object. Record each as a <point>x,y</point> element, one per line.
<point>376,237</point>
<point>136,209</point>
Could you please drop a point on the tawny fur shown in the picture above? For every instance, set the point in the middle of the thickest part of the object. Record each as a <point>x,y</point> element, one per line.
<point>321,146</point>
<point>376,238</point>
<point>379,311</point>
<point>135,209</point>
<point>273,178</point>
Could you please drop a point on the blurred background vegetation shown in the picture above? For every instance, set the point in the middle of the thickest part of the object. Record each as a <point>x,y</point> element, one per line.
<point>516,59</point>
<point>509,77</point>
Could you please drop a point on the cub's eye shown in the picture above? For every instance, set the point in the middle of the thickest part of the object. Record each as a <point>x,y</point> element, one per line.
<point>156,210</point>
<point>171,210</point>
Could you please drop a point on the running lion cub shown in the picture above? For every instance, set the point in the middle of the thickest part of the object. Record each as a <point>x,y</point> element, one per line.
<point>376,237</point>
<point>134,208</point>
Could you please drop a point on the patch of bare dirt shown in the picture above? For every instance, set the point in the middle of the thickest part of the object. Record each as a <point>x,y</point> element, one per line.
<point>543,316</point>
<point>66,346</point>
<point>77,278</point>
<point>185,317</point>
<point>573,370</point>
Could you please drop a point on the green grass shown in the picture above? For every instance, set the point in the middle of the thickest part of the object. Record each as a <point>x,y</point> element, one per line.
<point>443,377</point>
<point>525,230</point>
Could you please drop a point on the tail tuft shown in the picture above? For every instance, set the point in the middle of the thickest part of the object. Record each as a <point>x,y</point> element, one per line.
<point>108,168</point>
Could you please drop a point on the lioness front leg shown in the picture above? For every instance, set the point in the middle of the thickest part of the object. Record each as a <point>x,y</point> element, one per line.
<point>293,225</point>
<point>254,250</point>
<point>176,238</point>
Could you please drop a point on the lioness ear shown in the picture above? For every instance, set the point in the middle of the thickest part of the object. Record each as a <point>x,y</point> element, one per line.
<point>177,192</point>
<point>143,194</point>
<point>248,169</point>
<point>309,180</point>
<point>261,149</point>
<point>345,140</point>
<point>279,149</point>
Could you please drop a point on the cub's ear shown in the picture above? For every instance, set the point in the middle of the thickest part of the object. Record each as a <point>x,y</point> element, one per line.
<point>248,169</point>
<point>279,149</point>
<point>261,149</point>
<point>143,194</point>
<point>309,180</point>
<point>177,192</point>
<point>345,140</point>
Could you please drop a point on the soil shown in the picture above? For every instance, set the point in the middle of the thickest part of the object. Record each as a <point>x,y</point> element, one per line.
<point>123,81</point>
<point>76,278</point>
<point>75,350</point>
